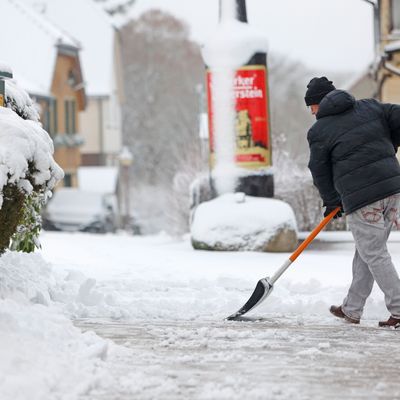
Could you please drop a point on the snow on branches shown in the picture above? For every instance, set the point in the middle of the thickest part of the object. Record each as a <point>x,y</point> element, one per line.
<point>25,154</point>
<point>27,168</point>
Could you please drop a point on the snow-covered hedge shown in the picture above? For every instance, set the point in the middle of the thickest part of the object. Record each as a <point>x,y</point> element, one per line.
<point>28,171</point>
<point>26,154</point>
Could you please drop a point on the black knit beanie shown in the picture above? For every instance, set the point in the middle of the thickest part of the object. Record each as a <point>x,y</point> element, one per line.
<point>317,89</point>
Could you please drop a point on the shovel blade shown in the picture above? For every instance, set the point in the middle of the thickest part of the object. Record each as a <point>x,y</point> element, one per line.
<point>261,292</point>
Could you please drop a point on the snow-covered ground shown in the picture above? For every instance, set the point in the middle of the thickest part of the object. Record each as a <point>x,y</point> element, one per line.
<point>158,306</point>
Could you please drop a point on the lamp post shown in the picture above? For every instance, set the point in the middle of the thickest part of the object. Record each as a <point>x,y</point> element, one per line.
<point>126,160</point>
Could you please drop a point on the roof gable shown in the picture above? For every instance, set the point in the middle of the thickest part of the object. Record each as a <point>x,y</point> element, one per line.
<point>94,29</point>
<point>33,43</point>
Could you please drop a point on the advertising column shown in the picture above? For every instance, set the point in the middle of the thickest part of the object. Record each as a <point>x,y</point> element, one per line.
<point>252,122</point>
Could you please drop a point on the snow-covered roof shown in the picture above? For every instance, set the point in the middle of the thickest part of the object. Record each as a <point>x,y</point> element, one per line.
<point>5,69</point>
<point>362,85</point>
<point>30,44</point>
<point>392,47</point>
<point>98,179</point>
<point>93,27</point>
<point>354,79</point>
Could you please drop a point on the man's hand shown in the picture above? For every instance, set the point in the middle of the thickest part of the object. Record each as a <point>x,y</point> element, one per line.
<point>329,209</point>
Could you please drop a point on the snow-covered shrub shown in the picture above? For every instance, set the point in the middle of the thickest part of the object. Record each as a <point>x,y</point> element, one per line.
<point>29,226</point>
<point>201,190</point>
<point>27,168</point>
<point>180,198</point>
<point>19,101</point>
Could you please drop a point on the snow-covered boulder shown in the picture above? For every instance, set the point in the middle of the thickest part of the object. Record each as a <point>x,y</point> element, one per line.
<point>234,222</point>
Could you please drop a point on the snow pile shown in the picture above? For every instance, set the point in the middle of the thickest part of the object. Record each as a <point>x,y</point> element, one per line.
<point>29,279</point>
<point>167,280</point>
<point>43,356</point>
<point>23,142</point>
<point>239,222</point>
<point>80,297</point>
<point>231,46</point>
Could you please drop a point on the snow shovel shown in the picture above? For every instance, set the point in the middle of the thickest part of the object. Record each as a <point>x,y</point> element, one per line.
<point>264,286</point>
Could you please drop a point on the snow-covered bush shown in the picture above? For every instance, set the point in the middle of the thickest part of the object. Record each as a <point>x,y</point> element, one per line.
<point>27,168</point>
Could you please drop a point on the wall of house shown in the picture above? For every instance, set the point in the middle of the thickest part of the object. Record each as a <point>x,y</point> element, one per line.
<point>62,88</point>
<point>100,126</point>
<point>90,126</point>
<point>385,21</point>
<point>101,122</point>
<point>389,83</point>
<point>363,88</point>
<point>391,90</point>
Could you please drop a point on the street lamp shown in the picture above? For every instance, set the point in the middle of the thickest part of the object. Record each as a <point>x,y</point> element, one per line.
<point>125,158</point>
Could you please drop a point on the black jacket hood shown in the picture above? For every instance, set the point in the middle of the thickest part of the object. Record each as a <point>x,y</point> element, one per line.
<point>335,102</point>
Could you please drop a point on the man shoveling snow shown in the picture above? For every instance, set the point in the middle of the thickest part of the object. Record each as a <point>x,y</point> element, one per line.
<point>353,162</point>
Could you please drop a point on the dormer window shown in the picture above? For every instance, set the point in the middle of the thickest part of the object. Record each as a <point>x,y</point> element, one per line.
<point>71,79</point>
<point>396,15</point>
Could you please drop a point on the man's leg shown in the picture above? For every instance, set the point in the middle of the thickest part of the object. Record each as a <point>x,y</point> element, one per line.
<point>371,227</point>
<point>360,288</point>
<point>392,292</point>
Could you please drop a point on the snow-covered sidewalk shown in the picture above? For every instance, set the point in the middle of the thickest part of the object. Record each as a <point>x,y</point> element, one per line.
<point>278,358</point>
<point>162,304</point>
<point>159,278</point>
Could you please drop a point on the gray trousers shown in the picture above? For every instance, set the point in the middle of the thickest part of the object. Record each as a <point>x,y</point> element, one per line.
<point>371,226</point>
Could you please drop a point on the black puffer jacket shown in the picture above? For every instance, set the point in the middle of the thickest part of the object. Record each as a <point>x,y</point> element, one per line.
<point>353,149</point>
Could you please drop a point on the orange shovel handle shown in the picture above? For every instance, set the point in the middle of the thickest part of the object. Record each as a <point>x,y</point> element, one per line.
<point>314,233</point>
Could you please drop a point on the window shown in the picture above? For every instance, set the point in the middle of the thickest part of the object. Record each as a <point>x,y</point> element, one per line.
<point>54,128</point>
<point>396,15</point>
<point>46,117</point>
<point>50,117</point>
<point>70,115</point>
<point>67,180</point>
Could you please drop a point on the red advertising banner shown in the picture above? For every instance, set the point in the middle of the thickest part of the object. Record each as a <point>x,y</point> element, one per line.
<point>252,119</point>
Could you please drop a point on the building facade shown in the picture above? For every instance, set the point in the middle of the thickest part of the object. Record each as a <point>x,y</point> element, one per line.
<point>46,63</point>
<point>388,68</point>
<point>100,122</point>
<point>382,80</point>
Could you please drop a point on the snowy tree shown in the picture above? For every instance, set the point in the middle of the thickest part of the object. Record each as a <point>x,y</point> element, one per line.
<point>163,68</point>
<point>28,171</point>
